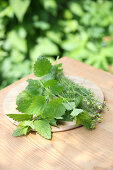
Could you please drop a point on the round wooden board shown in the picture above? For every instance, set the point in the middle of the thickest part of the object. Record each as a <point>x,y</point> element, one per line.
<point>9,103</point>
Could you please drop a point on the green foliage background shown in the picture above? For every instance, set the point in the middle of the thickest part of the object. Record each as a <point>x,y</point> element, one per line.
<point>80,29</point>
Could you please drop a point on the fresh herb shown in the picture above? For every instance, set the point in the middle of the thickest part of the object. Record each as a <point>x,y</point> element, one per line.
<point>52,99</point>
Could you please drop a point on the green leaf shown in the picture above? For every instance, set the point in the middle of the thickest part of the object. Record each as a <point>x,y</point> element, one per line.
<point>50,6</point>
<point>20,117</point>
<point>54,86</point>
<point>50,83</point>
<point>78,100</point>
<point>77,122</point>
<point>76,112</point>
<point>53,73</point>
<point>84,119</point>
<point>23,101</point>
<point>19,7</point>
<point>34,88</point>
<point>47,77</point>
<point>54,108</point>
<point>69,106</point>
<point>42,66</point>
<point>21,131</point>
<point>69,25</point>
<point>27,123</point>
<point>57,89</point>
<point>30,105</point>
<point>16,42</point>
<point>44,47</point>
<point>76,9</point>
<point>37,106</point>
<point>43,128</point>
<point>54,36</point>
<point>42,25</point>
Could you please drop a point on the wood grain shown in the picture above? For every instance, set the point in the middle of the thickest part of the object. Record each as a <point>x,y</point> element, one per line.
<point>69,150</point>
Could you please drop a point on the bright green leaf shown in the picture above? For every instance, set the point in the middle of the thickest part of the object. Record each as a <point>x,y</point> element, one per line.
<point>20,117</point>
<point>30,105</point>
<point>44,47</point>
<point>21,131</point>
<point>16,42</point>
<point>50,83</point>
<point>23,101</point>
<point>76,8</point>
<point>54,108</point>
<point>54,86</point>
<point>84,119</point>
<point>42,66</point>
<point>43,128</point>
<point>76,112</point>
<point>34,87</point>
<point>27,123</point>
<point>37,106</point>
<point>20,7</point>
<point>69,106</point>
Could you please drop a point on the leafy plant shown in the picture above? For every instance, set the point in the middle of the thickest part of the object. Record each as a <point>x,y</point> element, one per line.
<point>78,29</point>
<point>51,99</point>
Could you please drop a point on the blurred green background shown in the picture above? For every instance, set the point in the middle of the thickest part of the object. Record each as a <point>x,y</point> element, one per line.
<point>80,29</point>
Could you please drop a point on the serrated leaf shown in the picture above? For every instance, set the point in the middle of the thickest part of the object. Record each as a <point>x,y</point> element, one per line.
<point>42,66</point>
<point>76,112</point>
<point>43,128</point>
<point>20,7</point>
<point>54,108</point>
<point>69,106</point>
<point>30,105</point>
<point>20,117</point>
<point>34,87</point>
<point>21,131</point>
<point>37,106</point>
<point>84,119</point>
<point>23,101</point>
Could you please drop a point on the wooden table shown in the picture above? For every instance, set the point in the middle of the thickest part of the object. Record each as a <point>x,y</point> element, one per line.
<point>70,150</point>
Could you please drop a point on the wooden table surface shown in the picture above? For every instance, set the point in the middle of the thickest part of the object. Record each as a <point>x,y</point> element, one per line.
<point>70,150</point>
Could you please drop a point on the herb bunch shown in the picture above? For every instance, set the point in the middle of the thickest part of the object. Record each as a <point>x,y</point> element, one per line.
<point>53,98</point>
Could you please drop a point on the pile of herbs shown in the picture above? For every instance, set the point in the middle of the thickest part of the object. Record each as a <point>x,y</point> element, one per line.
<point>51,99</point>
